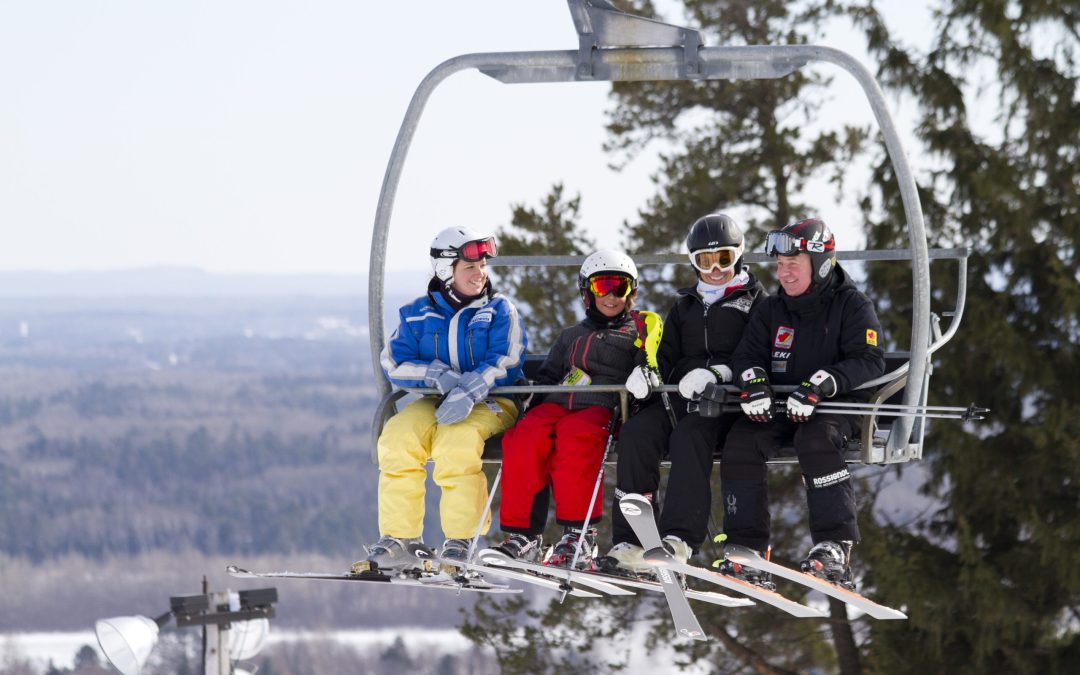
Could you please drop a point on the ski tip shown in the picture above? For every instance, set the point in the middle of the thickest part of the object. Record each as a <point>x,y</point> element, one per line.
<point>235,571</point>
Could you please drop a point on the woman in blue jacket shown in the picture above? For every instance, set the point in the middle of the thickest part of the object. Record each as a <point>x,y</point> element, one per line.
<point>461,338</point>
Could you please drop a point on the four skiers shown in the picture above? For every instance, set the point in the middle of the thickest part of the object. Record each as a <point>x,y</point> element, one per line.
<point>462,339</point>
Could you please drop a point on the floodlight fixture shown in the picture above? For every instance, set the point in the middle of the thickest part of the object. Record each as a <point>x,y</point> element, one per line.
<point>235,626</point>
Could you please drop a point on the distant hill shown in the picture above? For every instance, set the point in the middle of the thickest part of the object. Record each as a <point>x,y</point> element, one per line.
<point>191,282</point>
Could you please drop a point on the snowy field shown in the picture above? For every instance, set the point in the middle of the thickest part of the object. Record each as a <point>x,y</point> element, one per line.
<point>60,648</point>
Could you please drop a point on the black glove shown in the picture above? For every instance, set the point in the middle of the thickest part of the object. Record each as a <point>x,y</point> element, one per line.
<point>712,400</point>
<point>756,397</point>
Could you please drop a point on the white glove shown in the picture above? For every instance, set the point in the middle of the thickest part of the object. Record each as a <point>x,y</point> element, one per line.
<point>641,382</point>
<point>694,382</point>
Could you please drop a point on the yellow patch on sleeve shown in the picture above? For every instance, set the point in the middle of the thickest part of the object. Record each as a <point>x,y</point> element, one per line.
<point>871,337</point>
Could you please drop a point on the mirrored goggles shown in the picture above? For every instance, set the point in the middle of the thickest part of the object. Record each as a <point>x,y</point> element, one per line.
<point>474,251</point>
<point>707,258</point>
<point>782,243</point>
<point>601,285</point>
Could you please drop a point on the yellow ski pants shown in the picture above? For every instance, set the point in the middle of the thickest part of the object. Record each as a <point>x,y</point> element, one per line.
<point>409,439</point>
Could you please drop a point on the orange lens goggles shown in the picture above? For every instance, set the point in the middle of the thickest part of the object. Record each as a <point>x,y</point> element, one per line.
<point>618,286</point>
<point>706,259</point>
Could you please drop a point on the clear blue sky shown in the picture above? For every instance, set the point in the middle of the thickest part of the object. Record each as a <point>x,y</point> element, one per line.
<point>252,136</point>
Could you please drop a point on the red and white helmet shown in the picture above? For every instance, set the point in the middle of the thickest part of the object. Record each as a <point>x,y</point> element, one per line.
<point>811,236</point>
<point>459,243</point>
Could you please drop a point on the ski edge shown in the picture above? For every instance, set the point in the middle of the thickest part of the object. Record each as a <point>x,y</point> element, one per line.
<point>448,583</point>
<point>492,558</point>
<point>746,556</point>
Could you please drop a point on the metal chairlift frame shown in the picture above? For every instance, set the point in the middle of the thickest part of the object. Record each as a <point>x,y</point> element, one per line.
<point>615,46</point>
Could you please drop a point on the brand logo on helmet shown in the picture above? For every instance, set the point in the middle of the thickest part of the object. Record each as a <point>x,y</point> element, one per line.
<point>825,268</point>
<point>815,246</point>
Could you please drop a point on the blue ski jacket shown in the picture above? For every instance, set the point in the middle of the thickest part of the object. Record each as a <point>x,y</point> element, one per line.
<point>486,336</point>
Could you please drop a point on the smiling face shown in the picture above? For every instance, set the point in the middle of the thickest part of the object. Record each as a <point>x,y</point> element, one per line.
<point>611,306</point>
<point>470,277</point>
<point>716,276</point>
<point>794,273</point>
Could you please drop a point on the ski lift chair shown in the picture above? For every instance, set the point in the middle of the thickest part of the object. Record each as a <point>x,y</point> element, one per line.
<point>616,46</point>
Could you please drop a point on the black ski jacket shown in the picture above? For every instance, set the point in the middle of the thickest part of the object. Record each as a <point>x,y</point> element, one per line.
<point>605,353</point>
<point>834,328</point>
<point>696,336</point>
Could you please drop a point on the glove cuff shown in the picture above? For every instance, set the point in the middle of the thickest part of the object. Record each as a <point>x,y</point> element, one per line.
<point>722,373</point>
<point>752,376</point>
<point>822,383</point>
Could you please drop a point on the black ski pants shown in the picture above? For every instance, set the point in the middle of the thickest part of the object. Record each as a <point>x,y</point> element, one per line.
<point>644,441</point>
<point>819,445</point>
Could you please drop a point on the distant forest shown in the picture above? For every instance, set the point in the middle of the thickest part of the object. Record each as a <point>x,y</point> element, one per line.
<point>204,431</point>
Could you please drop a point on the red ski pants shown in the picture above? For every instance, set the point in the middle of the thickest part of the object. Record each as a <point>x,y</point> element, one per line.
<point>556,446</point>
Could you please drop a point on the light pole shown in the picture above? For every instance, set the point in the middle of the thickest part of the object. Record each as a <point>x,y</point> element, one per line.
<point>235,624</point>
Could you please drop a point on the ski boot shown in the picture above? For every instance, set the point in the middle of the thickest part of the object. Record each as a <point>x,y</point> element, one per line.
<point>522,547</point>
<point>678,548</point>
<point>455,551</point>
<point>831,561</point>
<point>750,575</point>
<point>564,551</point>
<point>624,559</point>
<point>394,553</point>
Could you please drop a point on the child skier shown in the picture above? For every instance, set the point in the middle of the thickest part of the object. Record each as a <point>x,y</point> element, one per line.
<point>560,442</point>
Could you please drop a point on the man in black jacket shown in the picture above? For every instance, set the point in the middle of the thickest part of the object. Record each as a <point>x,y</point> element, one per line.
<point>821,334</point>
<point>700,334</point>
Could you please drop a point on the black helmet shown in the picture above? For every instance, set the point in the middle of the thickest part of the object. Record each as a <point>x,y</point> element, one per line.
<point>718,234</point>
<point>811,236</point>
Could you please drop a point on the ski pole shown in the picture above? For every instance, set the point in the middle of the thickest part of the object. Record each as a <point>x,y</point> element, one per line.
<point>667,406</point>
<point>480,525</point>
<point>969,414</point>
<point>972,412</point>
<point>596,487</point>
<point>971,409</point>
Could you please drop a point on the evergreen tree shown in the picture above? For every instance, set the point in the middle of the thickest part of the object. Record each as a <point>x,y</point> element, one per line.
<point>749,147</point>
<point>988,572</point>
<point>548,295</point>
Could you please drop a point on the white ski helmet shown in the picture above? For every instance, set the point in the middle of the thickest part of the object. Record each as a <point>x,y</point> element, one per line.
<point>459,243</point>
<point>608,260</point>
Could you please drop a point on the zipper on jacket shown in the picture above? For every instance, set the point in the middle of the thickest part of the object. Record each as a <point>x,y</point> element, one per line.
<point>705,324</point>
<point>570,395</point>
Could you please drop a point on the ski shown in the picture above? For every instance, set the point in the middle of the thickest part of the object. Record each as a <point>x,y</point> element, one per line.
<point>639,513</point>
<point>766,596</point>
<point>439,580</point>
<point>747,556</point>
<point>470,569</point>
<point>530,578</point>
<point>493,558</point>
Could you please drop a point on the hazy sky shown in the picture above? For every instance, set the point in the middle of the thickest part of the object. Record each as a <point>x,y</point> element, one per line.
<point>252,136</point>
